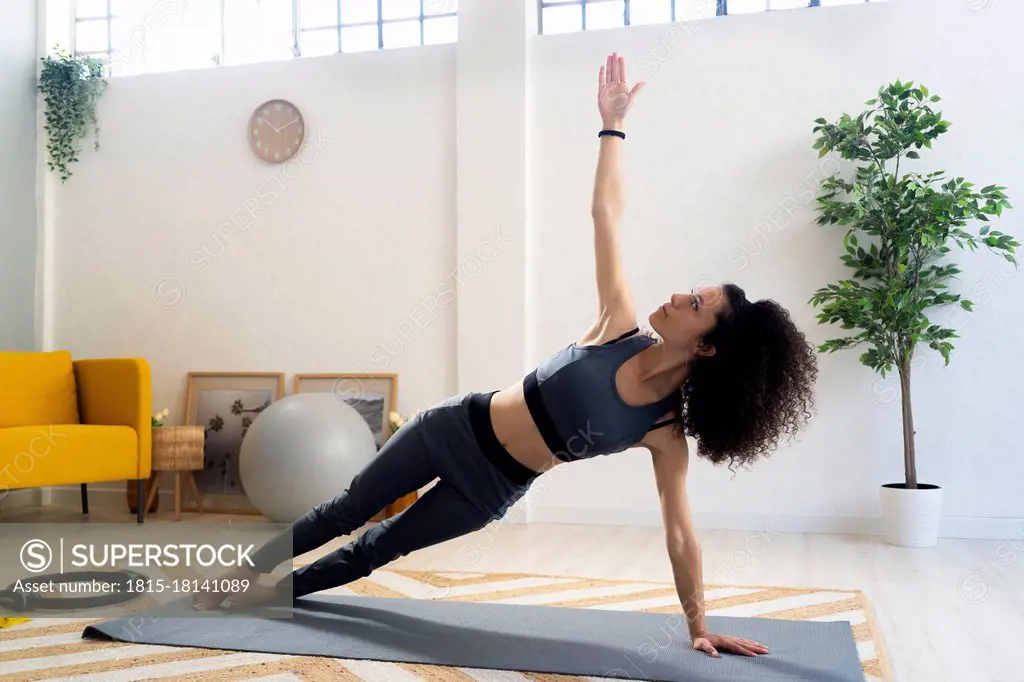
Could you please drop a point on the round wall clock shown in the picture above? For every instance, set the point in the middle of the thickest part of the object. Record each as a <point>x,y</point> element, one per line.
<point>276,130</point>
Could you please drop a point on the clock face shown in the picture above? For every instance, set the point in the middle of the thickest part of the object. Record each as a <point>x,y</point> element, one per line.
<point>276,131</point>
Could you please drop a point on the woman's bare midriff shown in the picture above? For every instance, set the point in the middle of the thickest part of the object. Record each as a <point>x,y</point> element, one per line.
<point>514,426</point>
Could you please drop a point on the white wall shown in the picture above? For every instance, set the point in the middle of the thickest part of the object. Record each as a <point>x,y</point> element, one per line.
<point>721,178</point>
<point>493,191</point>
<point>17,173</point>
<point>158,253</point>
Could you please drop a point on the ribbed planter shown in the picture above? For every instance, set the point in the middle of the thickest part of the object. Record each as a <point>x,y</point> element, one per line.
<point>911,515</point>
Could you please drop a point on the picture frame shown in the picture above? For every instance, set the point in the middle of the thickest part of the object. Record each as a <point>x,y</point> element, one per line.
<point>225,403</point>
<point>374,396</point>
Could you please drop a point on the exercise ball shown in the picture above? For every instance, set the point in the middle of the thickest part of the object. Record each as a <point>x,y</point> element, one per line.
<point>300,451</point>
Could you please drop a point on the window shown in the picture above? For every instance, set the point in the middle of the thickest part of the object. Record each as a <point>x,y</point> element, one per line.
<point>142,36</point>
<point>329,26</point>
<point>149,35</point>
<point>567,16</point>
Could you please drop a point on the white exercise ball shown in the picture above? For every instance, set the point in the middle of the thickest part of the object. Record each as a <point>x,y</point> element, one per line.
<point>302,450</point>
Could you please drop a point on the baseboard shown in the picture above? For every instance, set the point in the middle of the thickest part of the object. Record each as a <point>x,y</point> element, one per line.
<point>23,497</point>
<point>106,496</point>
<point>950,527</point>
<point>982,529</point>
<point>113,498</point>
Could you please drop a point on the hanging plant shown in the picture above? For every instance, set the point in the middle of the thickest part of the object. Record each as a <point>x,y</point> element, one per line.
<point>71,86</point>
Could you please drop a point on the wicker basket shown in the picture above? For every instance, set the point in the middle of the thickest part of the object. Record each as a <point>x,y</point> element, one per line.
<point>178,448</point>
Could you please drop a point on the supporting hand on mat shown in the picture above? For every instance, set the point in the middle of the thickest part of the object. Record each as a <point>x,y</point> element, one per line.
<point>711,644</point>
<point>614,96</point>
<point>209,600</point>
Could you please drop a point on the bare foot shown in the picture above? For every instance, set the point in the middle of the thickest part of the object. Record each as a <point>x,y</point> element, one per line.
<point>205,601</point>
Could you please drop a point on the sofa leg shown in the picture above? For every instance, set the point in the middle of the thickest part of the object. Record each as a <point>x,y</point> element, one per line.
<point>142,499</point>
<point>85,499</point>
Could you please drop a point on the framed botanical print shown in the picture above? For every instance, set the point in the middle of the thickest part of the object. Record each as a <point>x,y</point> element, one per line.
<point>225,405</point>
<point>374,396</point>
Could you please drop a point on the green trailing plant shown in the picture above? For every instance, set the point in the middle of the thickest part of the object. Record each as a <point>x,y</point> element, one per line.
<point>71,87</point>
<point>900,225</point>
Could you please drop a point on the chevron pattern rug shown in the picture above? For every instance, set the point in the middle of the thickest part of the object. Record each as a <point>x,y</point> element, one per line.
<point>52,649</point>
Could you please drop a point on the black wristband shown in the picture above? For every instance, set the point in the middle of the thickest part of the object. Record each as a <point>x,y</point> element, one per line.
<point>616,133</point>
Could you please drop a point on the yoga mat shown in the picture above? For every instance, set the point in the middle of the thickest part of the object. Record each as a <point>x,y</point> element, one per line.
<point>572,641</point>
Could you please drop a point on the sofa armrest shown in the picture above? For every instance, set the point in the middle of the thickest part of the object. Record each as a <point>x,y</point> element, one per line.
<point>118,392</point>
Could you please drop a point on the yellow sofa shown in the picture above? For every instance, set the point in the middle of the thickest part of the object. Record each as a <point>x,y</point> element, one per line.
<point>65,421</point>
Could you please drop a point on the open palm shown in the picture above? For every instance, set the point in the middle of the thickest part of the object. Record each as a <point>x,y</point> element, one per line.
<point>712,644</point>
<point>614,96</point>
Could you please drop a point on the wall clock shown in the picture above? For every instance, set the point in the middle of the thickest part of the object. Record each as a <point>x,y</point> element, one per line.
<point>276,130</point>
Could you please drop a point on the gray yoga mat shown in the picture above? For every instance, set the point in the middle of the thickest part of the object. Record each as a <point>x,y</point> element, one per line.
<point>573,641</point>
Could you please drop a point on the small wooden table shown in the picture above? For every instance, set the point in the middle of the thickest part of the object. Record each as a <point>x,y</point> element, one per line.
<point>178,449</point>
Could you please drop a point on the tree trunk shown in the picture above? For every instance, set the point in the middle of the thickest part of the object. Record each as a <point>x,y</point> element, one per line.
<point>909,464</point>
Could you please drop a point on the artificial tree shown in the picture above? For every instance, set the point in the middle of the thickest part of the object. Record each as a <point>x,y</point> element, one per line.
<point>901,223</point>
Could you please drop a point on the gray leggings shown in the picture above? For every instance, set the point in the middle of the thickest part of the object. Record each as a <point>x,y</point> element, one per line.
<point>453,442</point>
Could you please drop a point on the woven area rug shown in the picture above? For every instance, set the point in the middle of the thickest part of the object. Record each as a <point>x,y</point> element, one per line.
<point>52,649</point>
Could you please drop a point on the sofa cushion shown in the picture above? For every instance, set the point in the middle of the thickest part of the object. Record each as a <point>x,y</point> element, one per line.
<point>37,388</point>
<point>34,456</point>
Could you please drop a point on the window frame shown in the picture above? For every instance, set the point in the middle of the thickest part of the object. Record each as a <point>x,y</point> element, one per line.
<point>422,18</point>
<point>721,9</point>
<point>297,30</point>
<point>107,18</point>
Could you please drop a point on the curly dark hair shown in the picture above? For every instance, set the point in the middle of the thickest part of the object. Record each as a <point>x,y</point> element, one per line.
<point>757,387</point>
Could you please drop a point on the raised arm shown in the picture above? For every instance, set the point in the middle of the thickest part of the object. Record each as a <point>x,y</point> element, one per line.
<point>616,310</point>
<point>671,461</point>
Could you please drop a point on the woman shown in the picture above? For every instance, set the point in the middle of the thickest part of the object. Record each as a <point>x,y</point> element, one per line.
<point>732,374</point>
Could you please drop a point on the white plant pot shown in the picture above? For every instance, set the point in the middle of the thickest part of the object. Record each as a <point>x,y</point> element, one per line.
<point>911,516</point>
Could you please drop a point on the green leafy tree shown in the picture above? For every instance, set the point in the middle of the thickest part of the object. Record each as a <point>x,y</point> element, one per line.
<point>900,226</point>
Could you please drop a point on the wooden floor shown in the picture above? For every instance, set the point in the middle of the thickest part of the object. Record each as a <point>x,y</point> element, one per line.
<point>952,612</point>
